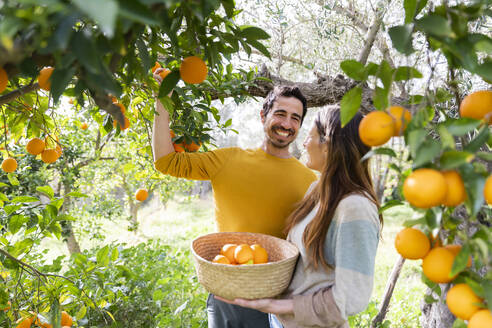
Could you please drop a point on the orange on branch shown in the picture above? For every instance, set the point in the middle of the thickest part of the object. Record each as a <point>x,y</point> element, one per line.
<point>402,117</point>
<point>44,78</point>
<point>66,319</point>
<point>121,106</point>
<point>178,148</point>
<point>49,156</point>
<point>481,319</point>
<point>228,251</point>
<point>165,72</point>
<point>172,134</point>
<point>461,301</point>
<point>221,259</point>
<point>155,67</point>
<point>24,322</point>
<point>192,147</point>
<point>425,188</point>
<point>141,195</point>
<point>376,128</point>
<point>477,105</point>
<point>84,126</point>
<point>437,265</point>
<point>9,165</point>
<point>412,244</point>
<point>5,309</point>
<point>487,190</point>
<point>35,146</point>
<point>260,255</point>
<point>193,70</point>
<point>4,79</point>
<point>127,124</point>
<point>243,254</point>
<point>456,193</point>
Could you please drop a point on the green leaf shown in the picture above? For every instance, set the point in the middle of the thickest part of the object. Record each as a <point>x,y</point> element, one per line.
<point>253,33</point>
<point>460,261</point>
<point>479,140</point>
<point>404,73</point>
<point>458,323</point>
<point>114,254</point>
<point>431,219</point>
<point>102,12</point>
<point>427,151</point>
<point>413,222</point>
<point>401,36</point>
<point>460,127</point>
<point>260,47</point>
<point>16,222</point>
<point>168,83</point>
<point>487,156</point>
<point>21,247</point>
<point>379,151</point>
<point>77,194</point>
<point>435,25</point>
<point>143,53</point>
<point>81,313</point>
<point>24,199</point>
<point>474,183</point>
<point>12,179</point>
<point>415,139</point>
<point>485,71</point>
<point>137,12</point>
<point>385,74</point>
<point>103,256</point>
<point>390,204</point>
<point>350,103</point>
<point>3,197</point>
<point>85,50</point>
<point>380,98</point>
<point>158,295</point>
<point>447,139</point>
<point>9,209</point>
<point>60,80</point>
<point>3,184</point>
<point>55,313</point>
<point>410,8</point>
<point>487,289</point>
<point>353,69</point>
<point>47,190</point>
<point>453,159</point>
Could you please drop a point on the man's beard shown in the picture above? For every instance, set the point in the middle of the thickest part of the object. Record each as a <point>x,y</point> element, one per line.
<point>272,140</point>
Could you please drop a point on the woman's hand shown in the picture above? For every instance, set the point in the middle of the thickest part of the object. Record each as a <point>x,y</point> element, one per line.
<point>267,305</point>
<point>159,78</point>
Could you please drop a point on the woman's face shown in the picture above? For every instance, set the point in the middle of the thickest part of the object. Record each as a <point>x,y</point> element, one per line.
<point>315,149</point>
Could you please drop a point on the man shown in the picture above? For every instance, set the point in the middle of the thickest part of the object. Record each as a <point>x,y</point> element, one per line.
<point>254,189</point>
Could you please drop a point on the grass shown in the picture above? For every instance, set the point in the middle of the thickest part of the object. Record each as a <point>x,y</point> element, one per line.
<point>184,219</point>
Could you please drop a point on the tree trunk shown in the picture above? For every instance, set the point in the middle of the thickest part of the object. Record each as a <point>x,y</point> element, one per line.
<point>69,237</point>
<point>437,315</point>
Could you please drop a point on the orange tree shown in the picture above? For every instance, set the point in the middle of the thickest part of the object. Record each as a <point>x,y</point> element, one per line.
<point>448,140</point>
<point>100,54</point>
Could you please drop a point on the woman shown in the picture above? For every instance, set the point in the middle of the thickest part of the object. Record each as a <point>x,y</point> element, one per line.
<point>336,228</point>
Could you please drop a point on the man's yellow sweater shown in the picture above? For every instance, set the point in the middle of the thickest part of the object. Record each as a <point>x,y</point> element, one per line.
<point>253,191</point>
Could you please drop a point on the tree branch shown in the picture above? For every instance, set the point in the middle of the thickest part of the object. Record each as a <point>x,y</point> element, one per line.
<point>17,93</point>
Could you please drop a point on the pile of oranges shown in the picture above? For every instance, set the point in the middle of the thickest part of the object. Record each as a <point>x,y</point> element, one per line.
<point>241,254</point>
<point>437,263</point>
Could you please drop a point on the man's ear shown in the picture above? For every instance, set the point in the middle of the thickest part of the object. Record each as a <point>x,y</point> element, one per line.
<point>262,116</point>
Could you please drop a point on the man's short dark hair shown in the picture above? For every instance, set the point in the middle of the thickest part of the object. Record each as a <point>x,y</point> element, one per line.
<point>284,91</point>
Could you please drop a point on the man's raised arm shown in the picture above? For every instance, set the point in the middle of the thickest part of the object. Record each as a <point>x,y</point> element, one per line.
<point>161,135</point>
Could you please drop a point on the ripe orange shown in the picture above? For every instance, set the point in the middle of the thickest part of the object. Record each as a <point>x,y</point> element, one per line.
<point>260,255</point>
<point>5,309</point>
<point>455,249</point>
<point>401,116</point>
<point>487,190</point>
<point>165,72</point>
<point>155,67</point>
<point>84,126</point>
<point>412,244</point>
<point>121,106</point>
<point>228,251</point>
<point>437,265</point>
<point>49,156</point>
<point>425,188</point>
<point>141,195</point>
<point>127,124</point>
<point>481,319</point>
<point>477,105</point>
<point>456,193</point>
<point>172,134</point>
<point>24,322</point>
<point>35,146</point>
<point>193,70</point>
<point>9,165</point>
<point>192,147</point>
<point>376,128</point>
<point>461,301</point>
<point>243,254</point>
<point>114,99</point>
<point>221,259</point>
<point>70,101</point>
<point>58,151</point>
<point>66,319</point>
<point>178,148</point>
<point>4,79</point>
<point>44,78</point>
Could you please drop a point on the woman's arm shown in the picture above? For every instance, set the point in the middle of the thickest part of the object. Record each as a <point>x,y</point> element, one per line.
<point>267,305</point>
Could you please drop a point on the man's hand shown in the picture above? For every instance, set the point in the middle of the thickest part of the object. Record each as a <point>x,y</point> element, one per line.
<point>267,305</point>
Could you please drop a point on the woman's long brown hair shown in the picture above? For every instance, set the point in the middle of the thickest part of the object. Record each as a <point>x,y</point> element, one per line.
<point>343,174</point>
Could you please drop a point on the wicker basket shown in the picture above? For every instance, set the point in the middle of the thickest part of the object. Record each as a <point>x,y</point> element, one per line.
<point>244,281</point>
